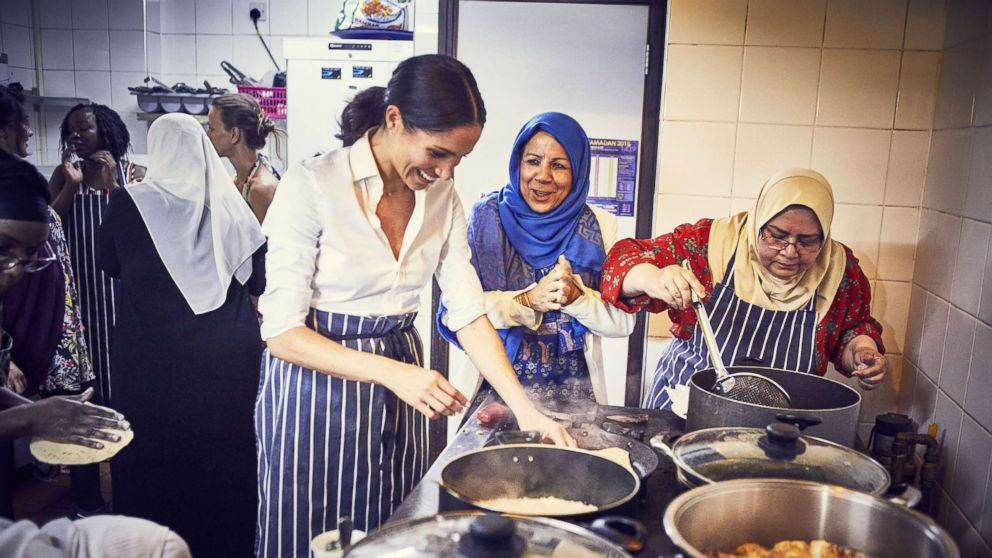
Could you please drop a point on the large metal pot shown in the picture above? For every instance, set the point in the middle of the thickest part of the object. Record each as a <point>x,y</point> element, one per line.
<point>477,535</point>
<point>776,452</point>
<point>721,516</point>
<point>538,471</point>
<point>821,407</point>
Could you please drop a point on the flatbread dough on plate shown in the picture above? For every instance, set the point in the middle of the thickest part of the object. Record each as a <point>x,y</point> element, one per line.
<point>58,453</point>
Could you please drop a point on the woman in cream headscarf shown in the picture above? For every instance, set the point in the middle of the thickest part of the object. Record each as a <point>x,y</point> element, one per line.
<point>188,252</point>
<point>777,288</point>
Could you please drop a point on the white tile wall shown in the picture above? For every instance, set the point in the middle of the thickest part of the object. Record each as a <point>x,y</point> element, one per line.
<point>56,49</point>
<point>925,25</point>
<point>289,17</point>
<point>858,88</point>
<point>859,227</point>
<point>90,14</point>
<point>17,12</point>
<point>703,82</point>
<point>94,85</point>
<point>954,270</point>
<point>55,14</point>
<point>18,45</point>
<point>126,15</point>
<point>858,24</point>
<point>696,158</point>
<point>958,348</point>
<point>854,160</point>
<point>897,243</point>
<point>948,416</point>
<point>917,90</point>
<point>979,392</point>
<point>972,464</point>
<point>890,305</point>
<point>214,17</point>
<point>210,51</point>
<point>780,85</point>
<point>764,149</point>
<point>91,49</point>
<point>969,268</point>
<point>907,168</point>
<point>127,51</point>
<point>978,200</point>
<point>715,22</point>
<point>785,23</point>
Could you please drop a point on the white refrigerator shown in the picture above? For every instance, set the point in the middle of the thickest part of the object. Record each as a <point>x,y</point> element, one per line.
<point>323,75</point>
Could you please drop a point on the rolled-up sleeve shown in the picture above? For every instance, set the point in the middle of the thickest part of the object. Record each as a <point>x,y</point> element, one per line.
<point>293,227</point>
<point>461,291</point>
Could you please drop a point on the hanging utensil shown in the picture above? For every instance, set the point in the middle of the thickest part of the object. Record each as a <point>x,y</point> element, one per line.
<point>746,387</point>
<point>237,76</point>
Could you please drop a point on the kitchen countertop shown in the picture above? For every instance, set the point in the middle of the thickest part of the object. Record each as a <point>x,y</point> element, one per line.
<point>659,489</point>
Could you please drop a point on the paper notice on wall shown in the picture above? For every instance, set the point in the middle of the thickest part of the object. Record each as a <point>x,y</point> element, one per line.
<point>613,175</point>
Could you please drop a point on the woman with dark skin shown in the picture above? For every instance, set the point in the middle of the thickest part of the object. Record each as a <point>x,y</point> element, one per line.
<point>23,234</point>
<point>43,314</point>
<point>94,142</point>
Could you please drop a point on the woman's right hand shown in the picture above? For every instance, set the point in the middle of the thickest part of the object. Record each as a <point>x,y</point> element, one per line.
<point>70,420</point>
<point>426,390</point>
<point>72,173</point>
<point>672,284</point>
<point>550,293</point>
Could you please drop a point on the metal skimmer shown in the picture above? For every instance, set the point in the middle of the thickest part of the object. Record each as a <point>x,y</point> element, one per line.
<point>746,387</point>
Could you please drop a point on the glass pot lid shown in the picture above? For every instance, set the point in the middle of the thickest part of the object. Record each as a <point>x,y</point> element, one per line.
<point>481,535</point>
<point>778,451</point>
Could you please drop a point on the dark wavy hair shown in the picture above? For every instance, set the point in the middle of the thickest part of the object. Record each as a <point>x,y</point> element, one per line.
<point>433,92</point>
<point>12,113</point>
<point>110,128</point>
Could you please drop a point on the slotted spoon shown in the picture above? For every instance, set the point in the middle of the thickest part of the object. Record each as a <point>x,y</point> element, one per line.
<point>746,387</point>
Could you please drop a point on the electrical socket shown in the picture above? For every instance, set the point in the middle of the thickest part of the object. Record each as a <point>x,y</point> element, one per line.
<point>261,7</point>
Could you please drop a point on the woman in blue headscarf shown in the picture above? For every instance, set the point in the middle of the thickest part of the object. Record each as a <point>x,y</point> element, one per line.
<point>539,250</point>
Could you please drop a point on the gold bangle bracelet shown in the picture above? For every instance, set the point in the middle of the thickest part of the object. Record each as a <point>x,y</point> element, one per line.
<point>522,300</point>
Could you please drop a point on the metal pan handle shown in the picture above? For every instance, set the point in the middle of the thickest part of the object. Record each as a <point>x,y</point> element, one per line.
<point>626,532</point>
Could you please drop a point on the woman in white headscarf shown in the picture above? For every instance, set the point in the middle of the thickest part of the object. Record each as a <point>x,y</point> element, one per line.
<point>777,288</point>
<point>188,252</point>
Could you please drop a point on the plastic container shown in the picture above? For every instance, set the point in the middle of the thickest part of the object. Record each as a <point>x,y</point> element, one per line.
<point>271,99</point>
<point>196,104</point>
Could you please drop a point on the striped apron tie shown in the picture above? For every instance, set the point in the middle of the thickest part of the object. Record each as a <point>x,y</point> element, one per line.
<point>329,447</point>
<point>777,338</point>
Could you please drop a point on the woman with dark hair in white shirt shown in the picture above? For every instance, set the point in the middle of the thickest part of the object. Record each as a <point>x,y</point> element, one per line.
<point>354,237</point>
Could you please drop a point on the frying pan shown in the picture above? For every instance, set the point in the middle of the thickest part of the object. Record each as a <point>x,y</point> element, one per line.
<point>537,471</point>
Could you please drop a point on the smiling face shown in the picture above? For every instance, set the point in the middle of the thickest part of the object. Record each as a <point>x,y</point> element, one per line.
<point>545,173</point>
<point>798,226</point>
<point>419,158</point>
<point>21,239</point>
<point>83,133</point>
<point>14,139</point>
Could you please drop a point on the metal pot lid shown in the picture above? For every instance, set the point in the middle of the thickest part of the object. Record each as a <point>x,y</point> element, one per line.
<point>480,535</point>
<point>778,451</point>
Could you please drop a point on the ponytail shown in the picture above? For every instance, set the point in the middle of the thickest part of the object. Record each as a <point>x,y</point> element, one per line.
<point>366,110</point>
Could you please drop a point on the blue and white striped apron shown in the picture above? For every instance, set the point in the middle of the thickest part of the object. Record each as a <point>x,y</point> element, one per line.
<point>778,338</point>
<point>96,288</point>
<point>329,447</point>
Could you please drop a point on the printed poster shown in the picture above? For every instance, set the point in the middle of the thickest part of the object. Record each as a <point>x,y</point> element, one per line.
<point>612,175</point>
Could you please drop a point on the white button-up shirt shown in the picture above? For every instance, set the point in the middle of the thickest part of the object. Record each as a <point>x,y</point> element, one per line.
<point>327,249</point>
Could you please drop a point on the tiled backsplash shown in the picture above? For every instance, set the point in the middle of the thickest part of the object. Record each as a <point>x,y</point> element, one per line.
<point>841,86</point>
<point>948,376</point>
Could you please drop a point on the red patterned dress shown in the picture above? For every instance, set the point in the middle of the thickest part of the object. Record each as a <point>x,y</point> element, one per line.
<point>849,314</point>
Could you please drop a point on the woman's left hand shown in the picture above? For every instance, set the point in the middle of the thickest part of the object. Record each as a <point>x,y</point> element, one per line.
<point>534,420</point>
<point>869,365</point>
<point>106,178</point>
